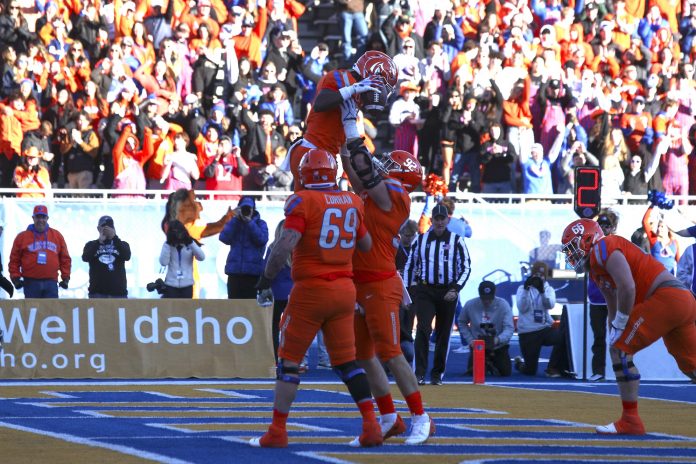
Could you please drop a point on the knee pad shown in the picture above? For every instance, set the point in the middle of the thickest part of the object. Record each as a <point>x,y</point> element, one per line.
<point>355,379</point>
<point>347,371</point>
<point>621,369</point>
<point>283,373</point>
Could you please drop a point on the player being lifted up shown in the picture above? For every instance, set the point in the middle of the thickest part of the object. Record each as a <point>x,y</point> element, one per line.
<point>644,301</point>
<point>384,184</point>
<point>322,228</point>
<point>373,77</point>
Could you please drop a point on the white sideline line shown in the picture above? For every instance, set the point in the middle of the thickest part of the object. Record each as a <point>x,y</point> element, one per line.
<point>95,444</point>
<point>164,395</point>
<point>57,394</point>
<point>229,393</point>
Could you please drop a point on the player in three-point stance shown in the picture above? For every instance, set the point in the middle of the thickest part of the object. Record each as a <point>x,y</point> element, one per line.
<point>645,302</point>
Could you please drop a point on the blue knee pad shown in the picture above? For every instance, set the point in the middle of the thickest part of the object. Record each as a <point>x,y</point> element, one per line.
<point>348,370</point>
<point>283,373</point>
<point>623,369</point>
<point>355,379</point>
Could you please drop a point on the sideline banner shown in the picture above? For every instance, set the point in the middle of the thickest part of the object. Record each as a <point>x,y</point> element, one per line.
<point>135,339</point>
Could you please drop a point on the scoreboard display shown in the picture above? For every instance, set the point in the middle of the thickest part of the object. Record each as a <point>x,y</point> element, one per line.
<point>587,193</point>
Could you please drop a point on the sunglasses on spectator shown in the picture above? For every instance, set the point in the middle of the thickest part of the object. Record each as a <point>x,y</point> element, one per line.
<point>408,46</point>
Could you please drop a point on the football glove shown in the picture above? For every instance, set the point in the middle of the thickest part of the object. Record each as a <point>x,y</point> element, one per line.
<point>617,326</point>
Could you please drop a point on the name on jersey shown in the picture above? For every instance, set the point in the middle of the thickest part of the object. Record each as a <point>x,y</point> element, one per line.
<point>338,199</point>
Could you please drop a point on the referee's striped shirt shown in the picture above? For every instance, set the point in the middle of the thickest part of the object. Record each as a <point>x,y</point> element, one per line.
<point>442,261</point>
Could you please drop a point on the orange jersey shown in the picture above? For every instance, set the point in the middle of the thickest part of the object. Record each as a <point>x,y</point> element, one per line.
<point>644,268</point>
<point>380,262</point>
<point>330,221</point>
<point>325,129</point>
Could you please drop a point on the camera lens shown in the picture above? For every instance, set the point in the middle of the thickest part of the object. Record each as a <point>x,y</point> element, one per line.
<point>246,210</point>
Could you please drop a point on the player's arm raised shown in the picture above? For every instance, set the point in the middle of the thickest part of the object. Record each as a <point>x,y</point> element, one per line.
<point>359,166</point>
<point>328,99</point>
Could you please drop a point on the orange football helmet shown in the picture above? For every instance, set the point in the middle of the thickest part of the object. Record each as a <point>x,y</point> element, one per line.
<point>578,238</point>
<point>318,169</point>
<point>373,63</point>
<point>402,166</point>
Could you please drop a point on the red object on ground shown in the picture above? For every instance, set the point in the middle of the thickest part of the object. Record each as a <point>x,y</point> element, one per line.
<point>479,362</point>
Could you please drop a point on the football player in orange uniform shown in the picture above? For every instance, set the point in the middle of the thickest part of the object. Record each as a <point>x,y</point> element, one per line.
<point>645,303</point>
<point>323,226</point>
<point>383,184</point>
<point>373,71</point>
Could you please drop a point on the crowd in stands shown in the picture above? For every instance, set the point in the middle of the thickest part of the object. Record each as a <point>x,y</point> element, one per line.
<point>495,96</point>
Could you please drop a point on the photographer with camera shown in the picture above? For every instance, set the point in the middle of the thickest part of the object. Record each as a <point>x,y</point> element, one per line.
<point>79,148</point>
<point>178,253</point>
<point>29,174</point>
<point>246,234</point>
<point>535,325</point>
<point>107,258</point>
<point>488,318</point>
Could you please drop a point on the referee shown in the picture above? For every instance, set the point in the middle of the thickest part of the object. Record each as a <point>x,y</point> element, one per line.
<point>443,266</point>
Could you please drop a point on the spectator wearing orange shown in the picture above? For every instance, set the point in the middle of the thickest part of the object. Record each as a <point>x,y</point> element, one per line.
<point>204,40</point>
<point>248,43</point>
<point>471,14</point>
<point>663,118</point>
<point>201,16</point>
<point>575,48</point>
<point>158,81</point>
<point>129,159</point>
<point>15,120</point>
<point>78,64</point>
<point>605,60</point>
<point>29,174</point>
<point>626,25</point>
<point>207,145</point>
<point>635,123</point>
<point>163,145</point>
<point>124,19</point>
<point>670,9</point>
<point>661,40</point>
<point>61,76</point>
<point>517,116</point>
<point>44,24</point>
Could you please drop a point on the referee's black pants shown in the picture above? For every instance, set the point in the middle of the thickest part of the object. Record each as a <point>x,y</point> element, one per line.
<point>430,303</point>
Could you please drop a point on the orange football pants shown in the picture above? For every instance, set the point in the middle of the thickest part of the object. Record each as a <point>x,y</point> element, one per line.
<point>378,330</point>
<point>669,313</point>
<point>319,304</point>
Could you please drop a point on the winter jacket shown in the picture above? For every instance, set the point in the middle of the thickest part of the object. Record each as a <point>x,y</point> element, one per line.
<point>534,308</point>
<point>247,241</point>
<point>180,263</point>
<point>498,313</point>
<point>25,250</point>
